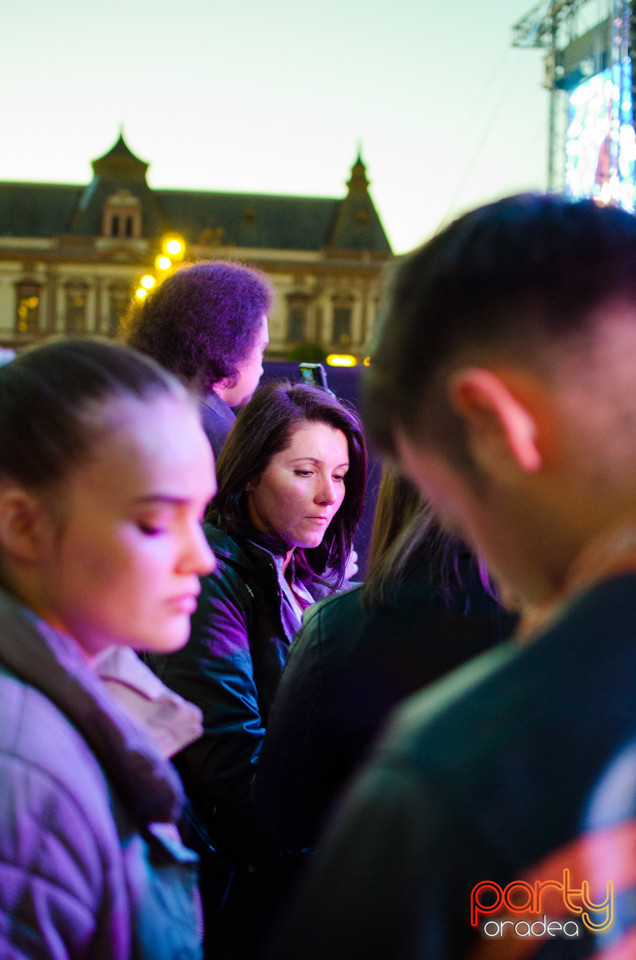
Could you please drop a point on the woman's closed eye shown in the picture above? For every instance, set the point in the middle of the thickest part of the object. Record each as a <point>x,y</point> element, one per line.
<point>151,529</point>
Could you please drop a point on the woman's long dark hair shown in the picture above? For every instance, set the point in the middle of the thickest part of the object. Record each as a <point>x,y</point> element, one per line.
<point>406,539</point>
<point>263,429</point>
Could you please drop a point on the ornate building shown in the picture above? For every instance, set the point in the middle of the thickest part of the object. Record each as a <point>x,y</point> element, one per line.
<point>72,256</point>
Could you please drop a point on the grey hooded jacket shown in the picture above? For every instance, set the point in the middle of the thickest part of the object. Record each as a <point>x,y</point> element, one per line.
<point>91,864</point>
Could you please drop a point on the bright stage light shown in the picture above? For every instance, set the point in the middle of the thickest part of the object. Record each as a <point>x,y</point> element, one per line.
<point>341,360</point>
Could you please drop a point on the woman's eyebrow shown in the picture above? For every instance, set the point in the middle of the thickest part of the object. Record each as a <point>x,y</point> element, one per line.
<point>317,461</point>
<point>162,498</point>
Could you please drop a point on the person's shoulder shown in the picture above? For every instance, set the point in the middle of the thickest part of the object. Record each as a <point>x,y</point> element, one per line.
<point>217,419</point>
<point>37,740</point>
<point>447,732</point>
<point>216,415</point>
<point>494,700</point>
<point>225,546</point>
<point>335,606</point>
<point>243,567</point>
<point>59,843</point>
<point>610,600</point>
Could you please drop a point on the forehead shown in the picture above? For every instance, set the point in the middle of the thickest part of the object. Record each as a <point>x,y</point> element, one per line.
<point>308,430</point>
<point>162,433</point>
<point>316,435</point>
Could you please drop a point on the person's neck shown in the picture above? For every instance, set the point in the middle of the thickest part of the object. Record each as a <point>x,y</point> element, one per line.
<point>288,565</point>
<point>610,552</point>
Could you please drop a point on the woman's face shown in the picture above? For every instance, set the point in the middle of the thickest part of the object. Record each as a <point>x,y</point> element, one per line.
<point>302,488</point>
<point>121,564</point>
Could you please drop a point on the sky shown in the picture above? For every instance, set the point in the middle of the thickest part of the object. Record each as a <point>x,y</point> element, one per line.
<point>278,96</point>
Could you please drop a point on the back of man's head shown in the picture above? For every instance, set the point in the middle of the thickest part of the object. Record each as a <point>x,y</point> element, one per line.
<point>520,280</point>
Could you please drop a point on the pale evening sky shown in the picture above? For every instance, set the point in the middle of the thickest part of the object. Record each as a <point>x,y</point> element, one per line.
<point>274,97</point>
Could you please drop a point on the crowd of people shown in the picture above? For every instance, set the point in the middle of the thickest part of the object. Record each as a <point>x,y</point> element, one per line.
<point>213,742</point>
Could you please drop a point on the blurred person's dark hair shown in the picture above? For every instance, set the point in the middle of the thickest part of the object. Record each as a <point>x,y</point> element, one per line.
<point>520,277</point>
<point>406,540</point>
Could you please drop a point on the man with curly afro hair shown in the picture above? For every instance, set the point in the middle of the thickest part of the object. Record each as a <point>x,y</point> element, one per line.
<point>207,324</point>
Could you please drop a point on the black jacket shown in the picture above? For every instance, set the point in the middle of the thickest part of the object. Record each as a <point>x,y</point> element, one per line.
<point>217,420</point>
<point>504,772</point>
<point>349,666</point>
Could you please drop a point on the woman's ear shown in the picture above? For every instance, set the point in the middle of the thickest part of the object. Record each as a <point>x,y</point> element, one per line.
<point>20,524</point>
<point>500,418</point>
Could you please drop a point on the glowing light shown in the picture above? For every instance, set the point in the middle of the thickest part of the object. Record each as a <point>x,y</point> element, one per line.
<point>163,263</point>
<point>341,360</point>
<point>367,361</point>
<point>600,149</point>
<point>174,247</point>
<point>148,281</point>
<point>141,292</point>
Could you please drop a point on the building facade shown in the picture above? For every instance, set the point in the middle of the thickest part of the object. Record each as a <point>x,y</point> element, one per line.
<point>71,257</point>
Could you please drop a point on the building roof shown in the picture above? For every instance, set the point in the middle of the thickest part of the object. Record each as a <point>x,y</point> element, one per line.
<point>203,217</point>
<point>37,209</point>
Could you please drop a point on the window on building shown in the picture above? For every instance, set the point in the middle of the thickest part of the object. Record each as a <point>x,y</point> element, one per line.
<point>342,325</point>
<point>27,320</point>
<point>122,216</point>
<point>118,303</point>
<point>76,296</point>
<point>296,319</point>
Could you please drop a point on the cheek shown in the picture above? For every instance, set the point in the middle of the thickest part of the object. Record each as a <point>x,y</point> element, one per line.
<point>253,378</point>
<point>115,564</point>
<point>292,506</point>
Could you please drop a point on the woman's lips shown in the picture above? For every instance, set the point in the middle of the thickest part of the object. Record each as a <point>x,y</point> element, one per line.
<point>184,604</point>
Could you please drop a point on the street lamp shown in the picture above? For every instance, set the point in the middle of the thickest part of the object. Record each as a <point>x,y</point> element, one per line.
<point>172,251</point>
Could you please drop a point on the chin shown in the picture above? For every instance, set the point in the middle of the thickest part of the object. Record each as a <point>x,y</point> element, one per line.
<point>168,641</point>
<point>176,643</point>
<point>309,543</point>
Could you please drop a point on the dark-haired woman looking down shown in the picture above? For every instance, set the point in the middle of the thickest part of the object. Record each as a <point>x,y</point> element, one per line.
<point>291,481</point>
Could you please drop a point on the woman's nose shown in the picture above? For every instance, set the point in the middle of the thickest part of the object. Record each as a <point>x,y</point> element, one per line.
<point>202,558</point>
<point>326,492</point>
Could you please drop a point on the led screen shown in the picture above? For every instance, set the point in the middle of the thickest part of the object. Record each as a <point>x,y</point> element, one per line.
<point>600,143</point>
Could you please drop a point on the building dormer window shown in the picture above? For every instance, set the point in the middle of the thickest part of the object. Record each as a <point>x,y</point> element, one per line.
<point>122,216</point>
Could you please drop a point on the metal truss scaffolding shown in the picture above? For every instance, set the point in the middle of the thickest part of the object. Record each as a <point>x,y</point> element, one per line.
<point>582,38</point>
